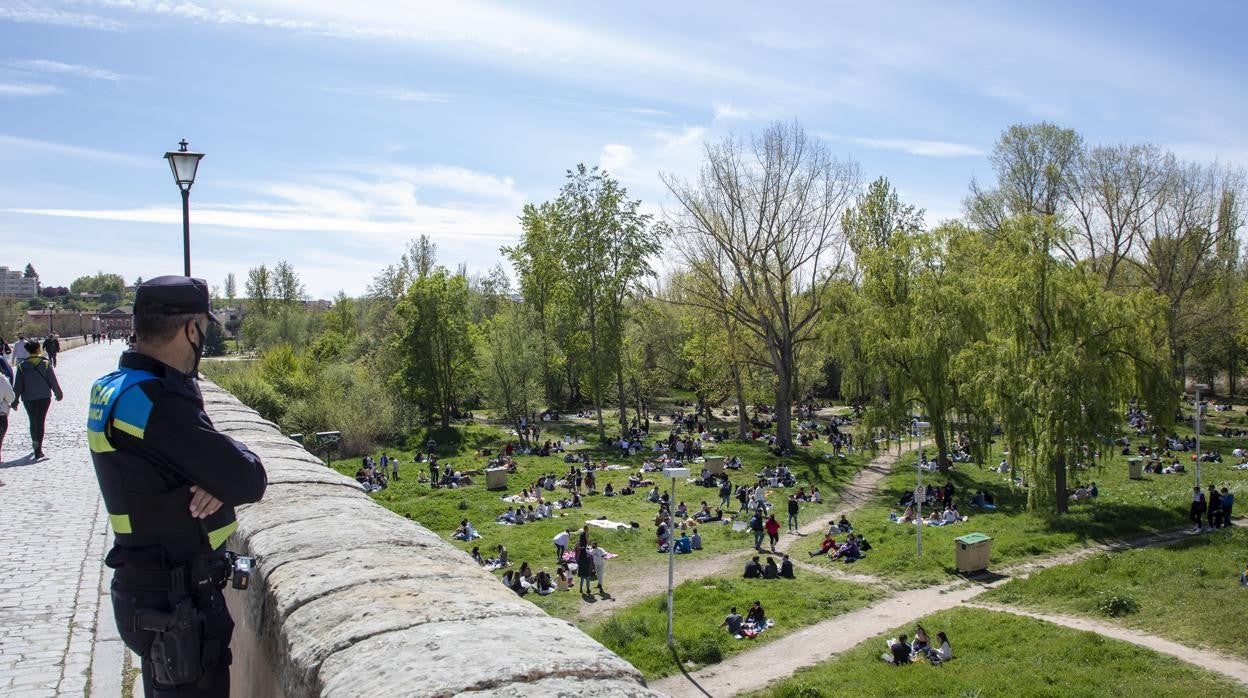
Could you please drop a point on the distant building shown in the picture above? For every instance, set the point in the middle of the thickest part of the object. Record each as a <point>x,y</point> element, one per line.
<point>14,285</point>
<point>118,320</point>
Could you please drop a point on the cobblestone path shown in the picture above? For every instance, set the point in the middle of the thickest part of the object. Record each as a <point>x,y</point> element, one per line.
<point>55,533</point>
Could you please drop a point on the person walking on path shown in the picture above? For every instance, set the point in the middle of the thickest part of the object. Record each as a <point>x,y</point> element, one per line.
<point>35,385</point>
<point>5,352</point>
<point>757,526</point>
<point>170,483</point>
<point>52,347</point>
<point>1215,508</point>
<point>20,352</point>
<point>794,507</point>
<point>773,531</point>
<point>6,396</point>
<point>600,563</point>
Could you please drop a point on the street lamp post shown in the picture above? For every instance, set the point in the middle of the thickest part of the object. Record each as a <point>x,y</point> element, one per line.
<point>1199,387</point>
<point>183,163</point>
<point>918,489</point>
<point>51,312</point>
<point>672,474</point>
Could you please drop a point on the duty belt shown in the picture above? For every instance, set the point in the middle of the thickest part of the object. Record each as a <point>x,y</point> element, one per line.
<point>207,572</point>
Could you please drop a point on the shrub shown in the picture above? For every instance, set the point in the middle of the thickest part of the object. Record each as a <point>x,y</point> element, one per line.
<point>704,648</point>
<point>1115,605</point>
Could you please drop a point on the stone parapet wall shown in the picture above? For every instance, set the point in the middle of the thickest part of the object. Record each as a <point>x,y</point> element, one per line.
<point>350,599</point>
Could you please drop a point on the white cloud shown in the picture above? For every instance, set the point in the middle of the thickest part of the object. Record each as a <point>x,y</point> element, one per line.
<point>1028,103</point>
<point>398,94</point>
<point>473,28</point>
<point>914,146</point>
<point>43,15</point>
<point>73,150</point>
<point>27,89</point>
<point>681,139</point>
<point>383,206</point>
<point>58,68</point>
<point>616,157</point>
<point>731,112</point>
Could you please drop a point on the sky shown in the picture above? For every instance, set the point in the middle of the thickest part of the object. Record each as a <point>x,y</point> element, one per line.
<point>335,132</point>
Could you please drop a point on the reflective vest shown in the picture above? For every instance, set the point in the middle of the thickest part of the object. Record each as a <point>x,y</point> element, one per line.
<point>148,505</point>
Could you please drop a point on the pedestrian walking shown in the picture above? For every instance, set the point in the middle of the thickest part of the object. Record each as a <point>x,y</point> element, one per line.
<point>1214,504</point>
<point>5,352</point>
<point>20,352</point>
<point>794,507</point>
<point>584,570</point>
<point>52,347</point>
<point>394,468</point>
<point>1198,507</point>
<point>6,396</point>
<point>773,531</point>
<point>35,385</point>
<point>757,525</point>
<point>599,557</point>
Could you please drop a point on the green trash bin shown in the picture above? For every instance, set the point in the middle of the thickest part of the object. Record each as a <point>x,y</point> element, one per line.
<point>971,552</point>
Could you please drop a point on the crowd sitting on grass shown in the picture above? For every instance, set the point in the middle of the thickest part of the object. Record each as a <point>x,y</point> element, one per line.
<point>750,626</point>
<point>757,570</point>
<point>900,652</point>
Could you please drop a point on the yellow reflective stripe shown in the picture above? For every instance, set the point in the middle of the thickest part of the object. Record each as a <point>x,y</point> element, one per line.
<point>98,442</point>
<point>120,523</point>
<point>129,428</point>
<point>217,538</point>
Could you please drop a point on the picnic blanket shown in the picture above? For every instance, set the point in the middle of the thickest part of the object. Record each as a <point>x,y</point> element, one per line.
<point>608,524</point>
<point>570,556</point>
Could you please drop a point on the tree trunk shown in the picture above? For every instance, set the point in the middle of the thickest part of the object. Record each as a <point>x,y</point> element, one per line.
<point>743,420</point>
<point>1059,478</point>
<point>783,409</point>
<point>942,442</point>
<point>619,387</point>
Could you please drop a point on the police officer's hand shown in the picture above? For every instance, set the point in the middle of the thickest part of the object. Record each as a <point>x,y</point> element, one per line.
<point>203,504</point>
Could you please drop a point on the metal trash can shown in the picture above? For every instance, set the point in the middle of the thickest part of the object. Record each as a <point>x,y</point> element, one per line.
<point>1135,469</point>
<point>971,552</point>
<point>495,478</point>
<point>714,464</point>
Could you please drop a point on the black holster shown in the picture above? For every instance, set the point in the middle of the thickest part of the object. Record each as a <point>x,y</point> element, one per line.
<point>176,653</point>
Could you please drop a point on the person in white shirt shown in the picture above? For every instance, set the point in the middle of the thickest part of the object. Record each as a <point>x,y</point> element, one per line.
<point>600,563</point>
<point>950,516</point>
<point>561,544</point>
<point>943,651</point>
<point>7,396</point>
<point>19,350</point>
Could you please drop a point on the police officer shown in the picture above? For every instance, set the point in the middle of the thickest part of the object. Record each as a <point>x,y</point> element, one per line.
<point>170,482</point>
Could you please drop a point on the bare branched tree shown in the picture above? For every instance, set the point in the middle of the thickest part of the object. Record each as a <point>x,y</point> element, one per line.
<point>761,226</point>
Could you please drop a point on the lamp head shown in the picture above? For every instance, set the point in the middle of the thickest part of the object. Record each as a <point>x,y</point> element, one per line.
<point>183,163</point>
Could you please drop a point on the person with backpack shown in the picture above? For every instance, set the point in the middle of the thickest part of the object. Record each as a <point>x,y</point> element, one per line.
<point>35,385</point>
<point>52,347</point>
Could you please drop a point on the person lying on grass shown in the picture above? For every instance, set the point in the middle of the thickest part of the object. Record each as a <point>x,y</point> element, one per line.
<point>829,543</point>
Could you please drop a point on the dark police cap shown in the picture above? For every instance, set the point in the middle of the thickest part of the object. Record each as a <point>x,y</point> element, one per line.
<point>173,295</point>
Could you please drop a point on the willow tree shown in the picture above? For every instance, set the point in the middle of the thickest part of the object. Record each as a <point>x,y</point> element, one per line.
<point>761,225</point>
<point>913,319</point>
<point>1061,356</point>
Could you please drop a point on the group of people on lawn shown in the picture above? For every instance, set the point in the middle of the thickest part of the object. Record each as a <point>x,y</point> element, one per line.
<point>900,652</point>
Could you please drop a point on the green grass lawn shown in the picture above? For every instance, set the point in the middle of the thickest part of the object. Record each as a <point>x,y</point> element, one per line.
<point>1188,592</point>
<point>441,510</point>
<point>1125,508</point>
<point>996,654</point>
<point>638,632</point>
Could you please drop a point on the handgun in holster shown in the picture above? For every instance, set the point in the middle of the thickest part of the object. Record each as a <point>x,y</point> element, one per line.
<point>176,653</point>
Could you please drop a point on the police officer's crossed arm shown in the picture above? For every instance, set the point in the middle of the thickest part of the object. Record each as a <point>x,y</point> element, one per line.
<point>221,469</point>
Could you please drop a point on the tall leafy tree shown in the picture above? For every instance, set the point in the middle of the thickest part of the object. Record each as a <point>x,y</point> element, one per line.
<point>761,226</point>
<point>434,345</point>
<point>1061,355</point>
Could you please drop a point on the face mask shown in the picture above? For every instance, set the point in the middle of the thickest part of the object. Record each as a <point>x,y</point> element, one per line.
<point>198,348</point>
